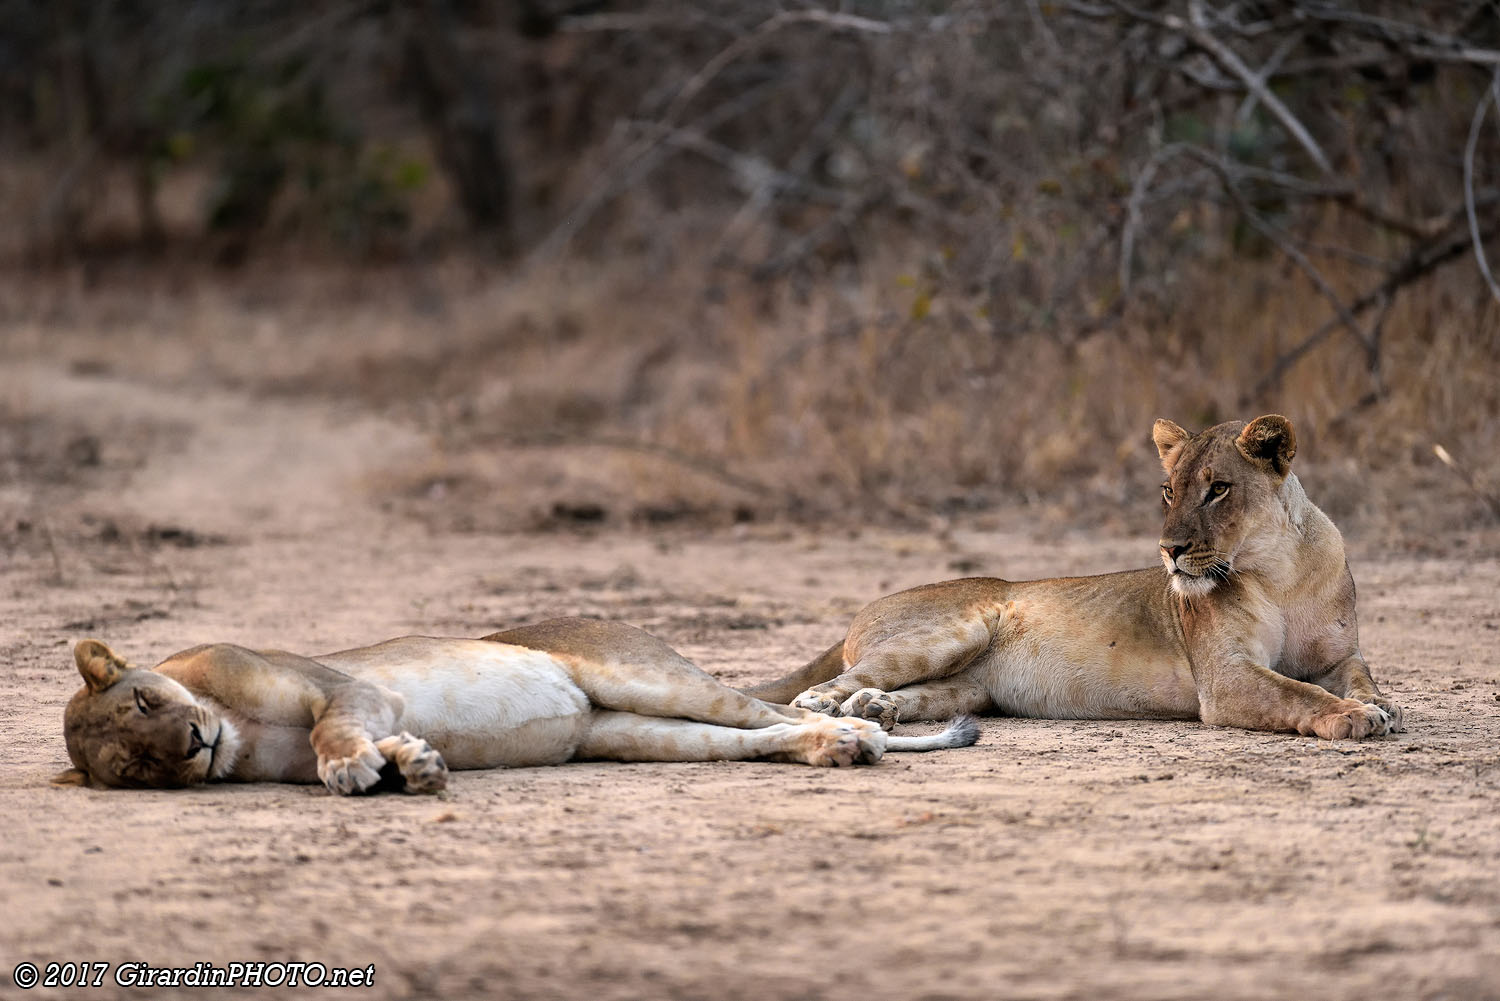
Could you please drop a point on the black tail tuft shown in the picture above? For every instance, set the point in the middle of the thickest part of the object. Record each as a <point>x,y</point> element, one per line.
<point>961,731</point>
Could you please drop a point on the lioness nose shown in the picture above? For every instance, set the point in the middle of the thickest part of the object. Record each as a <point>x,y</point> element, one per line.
<point>1173,549</point>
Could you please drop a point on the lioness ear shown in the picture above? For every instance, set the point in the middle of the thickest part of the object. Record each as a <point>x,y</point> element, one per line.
<point>1269,439</point>
<point>1167,437</point>
<point>71,777</point>
<point>99,665</point>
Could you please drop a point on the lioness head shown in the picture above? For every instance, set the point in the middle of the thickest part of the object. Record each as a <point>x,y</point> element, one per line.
<point>1222,497</point>
<point>134,728</point>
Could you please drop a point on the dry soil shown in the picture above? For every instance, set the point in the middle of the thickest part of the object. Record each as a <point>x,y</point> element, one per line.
<point>1052,860</point>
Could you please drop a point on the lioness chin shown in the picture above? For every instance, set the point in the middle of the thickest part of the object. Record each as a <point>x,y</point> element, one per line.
<point>1249,621</point>
<point>401,713</point>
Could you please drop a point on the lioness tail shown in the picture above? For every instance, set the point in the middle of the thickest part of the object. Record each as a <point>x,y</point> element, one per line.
<point>961,731</point>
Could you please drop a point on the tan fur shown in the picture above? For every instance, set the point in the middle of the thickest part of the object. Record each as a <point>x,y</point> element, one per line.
<point>1249,622</point>
<point>403,711</point>
<point>822,667</point>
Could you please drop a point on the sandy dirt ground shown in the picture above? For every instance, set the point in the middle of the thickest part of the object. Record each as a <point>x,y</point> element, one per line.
<point>1052,860</point>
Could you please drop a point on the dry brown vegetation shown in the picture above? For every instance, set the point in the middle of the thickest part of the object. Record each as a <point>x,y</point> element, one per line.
<point>771,262</point>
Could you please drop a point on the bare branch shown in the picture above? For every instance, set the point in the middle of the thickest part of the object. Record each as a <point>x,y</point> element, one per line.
<point>1247,107</point>
<point>1492,93</point>
<point>1226,174</point>
<point>1462,54</point>
<point>642,157</point>
<point>1419,263</point>
<point>1054,48</point>
<point>1290,249</point>
<point>661,138</point>
<point>812,239</point>
<point>743,44</point>
<point>798,167</point>
<point>1469,479</point>
<point>1385,28</point>
<point>1226,57</point>
<point>686,19</point>
<point>751,173</point>
<point>1133,210</point>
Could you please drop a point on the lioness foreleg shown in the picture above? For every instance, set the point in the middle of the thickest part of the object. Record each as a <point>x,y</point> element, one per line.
<point>957,695</point>
<point>345,715</point>
<point>1350,678</point>
<point>354,716</point>
<point>1248,695</point>
<point>623,736</point>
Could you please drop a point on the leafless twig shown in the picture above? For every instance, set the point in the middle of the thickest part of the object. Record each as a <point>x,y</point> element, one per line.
<point>1133,210</point>
<point>640,158</point>
<point>1247,107</point>
<point>1422,261</point>
<point>57,566</point>
<point>1229,178</point>
<point>797,168</point>
<point>1490,95</point>
<point>1227,58</point>
<point>743,44</point>
<point>1468,478</point>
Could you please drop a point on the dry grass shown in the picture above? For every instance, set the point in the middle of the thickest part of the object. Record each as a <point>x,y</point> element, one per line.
<point>586,391</point>
<point>943,331</point>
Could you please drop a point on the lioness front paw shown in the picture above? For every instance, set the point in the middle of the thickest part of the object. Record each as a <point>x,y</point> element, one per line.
<point>823,698</point>
<point>1393,711</point>
<point>873,704</point>
<point>351,772</point>
<point>421,765</point>
<point>839,742</point>
<point>1357,721</point>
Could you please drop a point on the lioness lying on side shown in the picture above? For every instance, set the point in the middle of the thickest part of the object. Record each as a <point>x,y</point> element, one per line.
<point>401,713</point>
<point>1249,622</point>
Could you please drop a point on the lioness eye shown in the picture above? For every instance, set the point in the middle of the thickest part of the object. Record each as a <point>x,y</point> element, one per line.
<point>1218,489</point>
<point>1166,493</point>
<point>141,703</point>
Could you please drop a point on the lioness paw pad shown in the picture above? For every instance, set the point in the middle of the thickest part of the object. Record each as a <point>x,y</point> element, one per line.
<point>421,765</point>
<point>819,702</point>
<point>840,742</point>
<point>354,770</point>
<point>1394,712</point>
<point>871,704</point>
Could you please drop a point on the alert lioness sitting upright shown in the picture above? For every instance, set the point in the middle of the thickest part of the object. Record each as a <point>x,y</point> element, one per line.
<point>404,711</point>
<point>1249,622</point>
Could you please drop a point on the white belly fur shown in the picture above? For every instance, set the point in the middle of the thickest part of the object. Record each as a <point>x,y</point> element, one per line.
<point>481,704</point>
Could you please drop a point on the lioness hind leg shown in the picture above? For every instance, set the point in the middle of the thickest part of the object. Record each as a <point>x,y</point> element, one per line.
<point>675,688</point>
<point>420,764</point>
<point>623,668</point>
<point>922,652</point>
<point>958,695</point>
<point>823,741</point>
